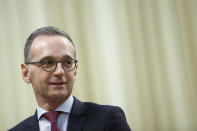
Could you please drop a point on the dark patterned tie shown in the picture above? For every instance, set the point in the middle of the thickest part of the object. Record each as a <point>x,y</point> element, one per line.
<point>52,117</point>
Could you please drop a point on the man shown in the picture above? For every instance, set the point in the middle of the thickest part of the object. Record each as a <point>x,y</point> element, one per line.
<point>51,68</point>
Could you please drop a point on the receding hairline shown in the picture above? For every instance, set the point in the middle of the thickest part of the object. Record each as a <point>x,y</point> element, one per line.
<point>31,54</point>
<point>47,31</point>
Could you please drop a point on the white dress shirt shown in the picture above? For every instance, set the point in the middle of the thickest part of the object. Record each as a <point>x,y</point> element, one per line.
<point>62,120</point>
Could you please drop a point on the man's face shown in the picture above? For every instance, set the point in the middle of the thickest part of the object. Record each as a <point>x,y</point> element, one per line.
<point>58,83</point>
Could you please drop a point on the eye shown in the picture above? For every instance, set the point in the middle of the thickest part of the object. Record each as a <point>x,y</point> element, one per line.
<point>68,62</point>
<point>48,63</point>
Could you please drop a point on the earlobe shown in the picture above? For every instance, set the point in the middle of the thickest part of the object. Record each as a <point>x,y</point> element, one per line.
<point>25,73</point>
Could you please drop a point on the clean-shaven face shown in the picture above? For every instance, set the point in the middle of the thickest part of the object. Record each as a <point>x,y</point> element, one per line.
<point>57,84</point>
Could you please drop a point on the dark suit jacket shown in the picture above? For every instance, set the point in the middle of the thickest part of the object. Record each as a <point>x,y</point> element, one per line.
<point>85,116</point>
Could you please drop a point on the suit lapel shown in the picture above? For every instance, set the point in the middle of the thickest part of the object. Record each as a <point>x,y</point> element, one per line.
<point>33,124</point>
<point>76,119</point>
<point>77,116</point>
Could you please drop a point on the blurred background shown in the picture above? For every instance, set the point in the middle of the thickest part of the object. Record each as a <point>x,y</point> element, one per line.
<point>140,55</point>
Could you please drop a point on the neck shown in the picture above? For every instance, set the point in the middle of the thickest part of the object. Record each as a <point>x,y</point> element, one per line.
<point>51,103</point>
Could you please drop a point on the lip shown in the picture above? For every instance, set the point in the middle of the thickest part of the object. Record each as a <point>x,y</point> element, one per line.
<point>57,83</point>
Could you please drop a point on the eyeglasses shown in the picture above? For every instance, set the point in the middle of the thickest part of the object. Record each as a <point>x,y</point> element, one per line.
<point>50,65</point>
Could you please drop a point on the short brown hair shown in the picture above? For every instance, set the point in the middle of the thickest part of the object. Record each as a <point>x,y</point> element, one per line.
<point>48,30</point>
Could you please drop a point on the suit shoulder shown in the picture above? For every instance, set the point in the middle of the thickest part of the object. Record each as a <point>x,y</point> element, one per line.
<point>94,107</point>
<point>113,116</point>
<point>23,124</point>
<point>92,104</point>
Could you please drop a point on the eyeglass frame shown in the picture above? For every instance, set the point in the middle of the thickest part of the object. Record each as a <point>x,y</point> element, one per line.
<point>56,61</point>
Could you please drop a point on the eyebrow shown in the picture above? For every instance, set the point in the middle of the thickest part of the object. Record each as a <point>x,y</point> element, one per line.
<point>53,58</point>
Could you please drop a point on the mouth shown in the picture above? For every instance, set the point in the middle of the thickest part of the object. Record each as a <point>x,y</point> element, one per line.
<point>57,83</point>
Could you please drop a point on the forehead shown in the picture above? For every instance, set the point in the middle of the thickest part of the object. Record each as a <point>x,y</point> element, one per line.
<point>54,46</point>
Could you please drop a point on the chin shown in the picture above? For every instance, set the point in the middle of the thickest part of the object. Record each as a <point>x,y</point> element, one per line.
<point>60,94</point>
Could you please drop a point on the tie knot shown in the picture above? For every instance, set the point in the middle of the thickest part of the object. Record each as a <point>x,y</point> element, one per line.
<point>52,116</point>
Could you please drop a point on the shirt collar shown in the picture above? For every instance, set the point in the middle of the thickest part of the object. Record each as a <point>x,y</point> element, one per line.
<point>64,107</point>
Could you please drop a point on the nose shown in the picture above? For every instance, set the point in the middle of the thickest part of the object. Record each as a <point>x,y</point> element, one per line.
<point>59,70</point>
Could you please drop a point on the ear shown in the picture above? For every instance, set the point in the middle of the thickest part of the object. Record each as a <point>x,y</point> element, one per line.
<point>75,71</point>
<point>25,73</point>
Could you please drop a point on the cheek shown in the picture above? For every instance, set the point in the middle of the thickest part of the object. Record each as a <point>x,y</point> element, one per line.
<point>70,77</point>
<point>39,79</point>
